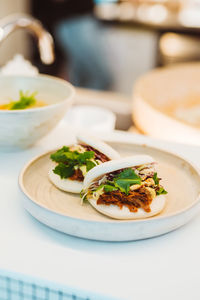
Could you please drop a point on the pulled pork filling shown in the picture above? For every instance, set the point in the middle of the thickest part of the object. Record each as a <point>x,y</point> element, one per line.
<point>78,175</point>
<point>132,187</point>
<point>141,198</point>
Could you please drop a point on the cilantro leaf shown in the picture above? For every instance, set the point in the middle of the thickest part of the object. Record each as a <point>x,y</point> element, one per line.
<point>89,165</point>
<point>83,157</point>
<point>67,160</point>
<point>122,181</point>
<point>156,179</point>
<point>161,191</point>
<point>71,156</point>
<point>63,170</point>
<point>109,188</point>
<point>99,187</point>
<point>106,187</point>
<point>59,156</point>
<point>66,155</point>
<point>124,184</point>
<point>110,183</point>
<point>26,100</point>
<point>125,179</point>
<point>127,173</point>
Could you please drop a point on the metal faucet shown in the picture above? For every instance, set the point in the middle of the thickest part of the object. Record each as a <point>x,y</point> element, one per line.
<point>45,40</point>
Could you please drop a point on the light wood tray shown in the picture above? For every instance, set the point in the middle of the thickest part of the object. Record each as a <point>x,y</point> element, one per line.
<point>161,91</point>
<point>63,211</point>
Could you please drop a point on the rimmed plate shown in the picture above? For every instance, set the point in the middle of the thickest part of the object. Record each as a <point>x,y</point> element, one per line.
<point>62,211</point>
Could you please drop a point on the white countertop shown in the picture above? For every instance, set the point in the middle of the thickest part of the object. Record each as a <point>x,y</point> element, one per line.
<point>166,267</point>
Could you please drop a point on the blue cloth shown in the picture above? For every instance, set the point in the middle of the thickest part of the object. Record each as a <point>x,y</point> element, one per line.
<point>16,286</point>
<point>79,38</point>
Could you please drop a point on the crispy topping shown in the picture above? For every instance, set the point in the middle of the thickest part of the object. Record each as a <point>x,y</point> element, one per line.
<point>149,182</point>
<point>135,187</point>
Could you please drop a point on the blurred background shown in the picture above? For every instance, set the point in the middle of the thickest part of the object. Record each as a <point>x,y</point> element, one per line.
<point>107,45</point>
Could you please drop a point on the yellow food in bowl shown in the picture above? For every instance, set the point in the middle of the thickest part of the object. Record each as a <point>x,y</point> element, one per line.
<point>26,100</point>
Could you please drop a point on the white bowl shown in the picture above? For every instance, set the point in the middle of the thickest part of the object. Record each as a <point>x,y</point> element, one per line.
<point>22,128</point>
<point>165,89</point>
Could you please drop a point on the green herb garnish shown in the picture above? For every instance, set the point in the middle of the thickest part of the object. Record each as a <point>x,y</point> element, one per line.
<point>122,182</point>
<point>89,165</point>
<point>161,191</point>
<point>67,161</point>
<point>109,188</point>
<point>60,155</point>
<point>156,179</point>
<point>125,179</point>
<point>63,170</point>
<point>26,100</point>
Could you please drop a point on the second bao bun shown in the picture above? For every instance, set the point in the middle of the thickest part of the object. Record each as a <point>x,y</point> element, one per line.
<point>66,185</point>
<point>75,186</point>
<point>98,145</point>
<point>115,211</point>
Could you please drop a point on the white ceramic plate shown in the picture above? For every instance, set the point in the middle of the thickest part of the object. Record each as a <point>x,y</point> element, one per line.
<point>62,211</point>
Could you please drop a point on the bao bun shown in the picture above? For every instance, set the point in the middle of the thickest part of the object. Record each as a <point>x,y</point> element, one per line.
<point>75,186</point>
<point>114,211</point>
<point>112,166</point>
<point>98,145</point>
<point>67,185</point>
